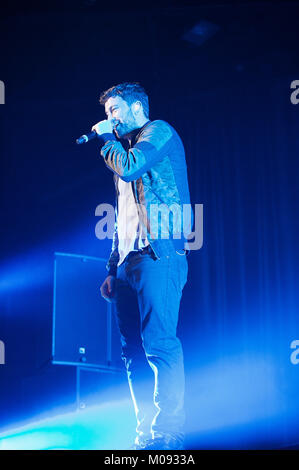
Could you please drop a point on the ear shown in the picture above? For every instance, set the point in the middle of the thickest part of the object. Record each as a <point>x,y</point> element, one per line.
<point>137,107</point>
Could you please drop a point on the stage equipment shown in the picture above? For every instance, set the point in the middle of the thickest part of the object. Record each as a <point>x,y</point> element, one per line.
<point>85,334</point>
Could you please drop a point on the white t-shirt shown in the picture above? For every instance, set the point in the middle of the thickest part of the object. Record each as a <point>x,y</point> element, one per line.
<point>129,238</point>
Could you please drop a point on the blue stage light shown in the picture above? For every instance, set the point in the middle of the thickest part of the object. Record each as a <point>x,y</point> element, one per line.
<point>107,426</point>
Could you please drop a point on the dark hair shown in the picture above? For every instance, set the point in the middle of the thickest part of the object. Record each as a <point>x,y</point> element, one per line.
<point>128,91</point>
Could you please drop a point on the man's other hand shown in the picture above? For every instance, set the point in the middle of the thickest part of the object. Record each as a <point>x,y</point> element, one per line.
<point>108,288</point>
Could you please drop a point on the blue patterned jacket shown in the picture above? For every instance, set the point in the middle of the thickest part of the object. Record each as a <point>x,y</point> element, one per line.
<point>155,165</point>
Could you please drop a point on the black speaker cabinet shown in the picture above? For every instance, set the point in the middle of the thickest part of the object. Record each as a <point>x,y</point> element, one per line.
<point>84,327</point>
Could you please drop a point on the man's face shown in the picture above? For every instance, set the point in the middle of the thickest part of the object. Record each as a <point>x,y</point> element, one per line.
<point>120,113</point>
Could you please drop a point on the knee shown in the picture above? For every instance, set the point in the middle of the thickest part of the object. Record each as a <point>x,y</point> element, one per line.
<point>162,346</point>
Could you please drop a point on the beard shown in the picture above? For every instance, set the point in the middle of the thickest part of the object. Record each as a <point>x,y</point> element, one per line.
<point>127,125</point>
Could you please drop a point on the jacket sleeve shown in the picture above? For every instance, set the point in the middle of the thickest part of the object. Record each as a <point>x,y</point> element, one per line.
<point>152,145</point>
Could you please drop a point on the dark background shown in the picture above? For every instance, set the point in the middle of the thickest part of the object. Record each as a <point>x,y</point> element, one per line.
<point>228,97</point>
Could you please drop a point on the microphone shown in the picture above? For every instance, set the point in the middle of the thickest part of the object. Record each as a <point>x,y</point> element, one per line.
<point>86,137</point>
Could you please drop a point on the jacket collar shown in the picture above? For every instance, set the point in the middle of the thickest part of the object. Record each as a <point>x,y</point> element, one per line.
<point>133,136</point>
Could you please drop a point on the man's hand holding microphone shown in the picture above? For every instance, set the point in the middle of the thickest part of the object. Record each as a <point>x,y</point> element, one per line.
<point>100,129</point>
<point>103,127</point>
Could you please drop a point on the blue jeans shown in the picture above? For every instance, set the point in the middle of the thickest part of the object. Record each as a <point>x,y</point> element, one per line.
<point>148,295</point>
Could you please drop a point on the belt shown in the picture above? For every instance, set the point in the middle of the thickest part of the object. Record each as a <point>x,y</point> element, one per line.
<point>148,250</point>
<point>142,251</point>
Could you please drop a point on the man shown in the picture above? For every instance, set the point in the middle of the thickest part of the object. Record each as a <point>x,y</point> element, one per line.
<point>147,269</point>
